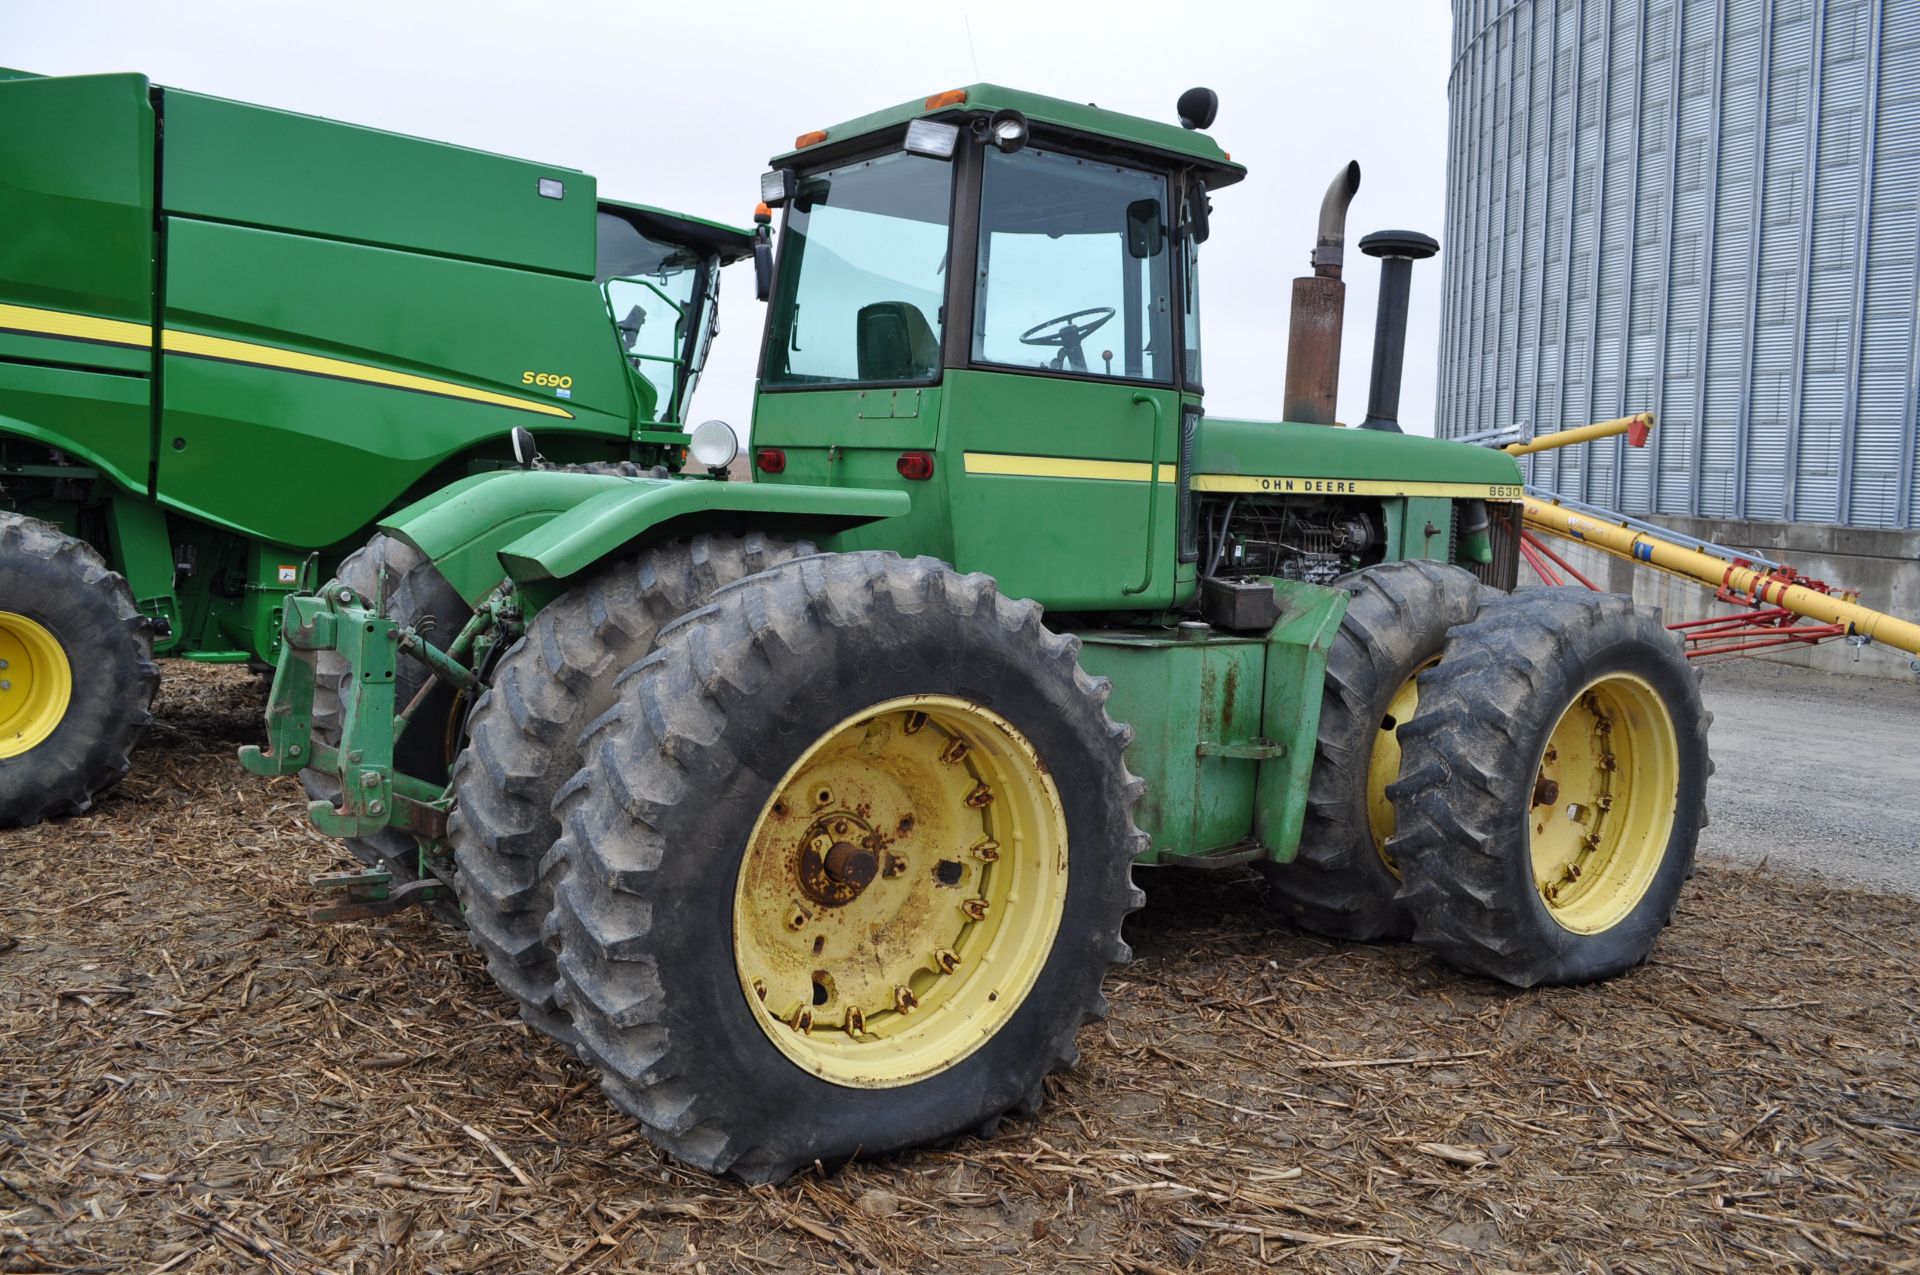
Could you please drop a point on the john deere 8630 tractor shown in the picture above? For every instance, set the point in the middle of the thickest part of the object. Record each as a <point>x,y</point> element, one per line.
<point>806,809</point>
<point>231,338</point>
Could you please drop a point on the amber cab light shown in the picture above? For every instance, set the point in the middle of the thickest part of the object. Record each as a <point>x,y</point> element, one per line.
<point>770,460</point>
<point>952,97</point>
<point>915,465</point>
<point>814,138</point>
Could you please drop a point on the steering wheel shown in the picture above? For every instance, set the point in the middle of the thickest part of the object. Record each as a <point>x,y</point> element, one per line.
<point>1068,335</point>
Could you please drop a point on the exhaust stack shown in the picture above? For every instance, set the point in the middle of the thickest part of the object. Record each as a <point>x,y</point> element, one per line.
<point>1397,250</point>
<point>1319,300</point>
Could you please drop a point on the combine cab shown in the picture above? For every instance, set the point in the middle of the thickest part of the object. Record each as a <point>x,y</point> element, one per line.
<point>807,810</point>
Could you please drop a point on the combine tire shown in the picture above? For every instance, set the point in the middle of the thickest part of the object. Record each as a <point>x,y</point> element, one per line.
<point>845,867</point>
<point>411,591</point>
<point>1553,786</point>
<point>524,740</point>
<point>1342,883</point>
<point>77,676</point>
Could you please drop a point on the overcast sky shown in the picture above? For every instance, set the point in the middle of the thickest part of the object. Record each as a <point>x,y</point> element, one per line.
<point>681,104</point>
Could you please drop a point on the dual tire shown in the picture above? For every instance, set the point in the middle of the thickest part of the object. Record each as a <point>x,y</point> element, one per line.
<point>1514,781</point>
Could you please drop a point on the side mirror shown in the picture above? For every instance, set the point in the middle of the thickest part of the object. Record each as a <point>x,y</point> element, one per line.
<point>763,264</point>
<point>1199,207</point>
<point>1146,234</point>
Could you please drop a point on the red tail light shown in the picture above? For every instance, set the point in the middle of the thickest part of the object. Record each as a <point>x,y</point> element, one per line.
<point>915,465</point>
<point>770,460</point>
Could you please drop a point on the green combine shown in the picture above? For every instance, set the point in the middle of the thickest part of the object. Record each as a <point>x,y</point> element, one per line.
<point>806,810</point>
<point>232,339</point>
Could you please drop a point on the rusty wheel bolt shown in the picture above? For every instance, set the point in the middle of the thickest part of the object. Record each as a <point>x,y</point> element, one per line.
<point>987,851</point>
<point>1545,791</point>
<point>895,865</point>
<point>904,1001</point>
<point>856,1020</point>
<point>954,751</point>
<point>981,795</point>
<point>760,988</point>
<point>975,908</point>
<point>915,720</point>
<point>799,919</point>
<point>802,1020</point>
<point>946,960</point>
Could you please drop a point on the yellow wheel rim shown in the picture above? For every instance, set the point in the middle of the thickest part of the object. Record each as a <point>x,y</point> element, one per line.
<point>36,684</point>
<point>1383,765</point>
<point>1604,803</point>
<point>901,891</point>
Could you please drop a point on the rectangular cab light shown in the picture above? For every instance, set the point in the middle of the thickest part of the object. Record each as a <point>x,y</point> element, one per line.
<point>925,137</point>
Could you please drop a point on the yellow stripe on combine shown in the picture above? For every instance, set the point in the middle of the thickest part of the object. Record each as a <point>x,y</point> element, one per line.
<point>1282,485</point>
<point>74,327</point>
<point>1002,465</point>
<point>214,347</point>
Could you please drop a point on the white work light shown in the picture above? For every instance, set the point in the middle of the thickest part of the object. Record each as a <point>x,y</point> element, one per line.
<point>925,137</point>
<point>713,444</point>
<point>776,186</point>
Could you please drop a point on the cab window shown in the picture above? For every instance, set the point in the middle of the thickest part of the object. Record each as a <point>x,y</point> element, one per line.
<point>863,270</point>
<point>654,292</point>
<point>1073,268</point>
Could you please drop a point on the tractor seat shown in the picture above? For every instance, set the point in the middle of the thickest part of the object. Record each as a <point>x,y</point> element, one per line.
<point>896,343</point>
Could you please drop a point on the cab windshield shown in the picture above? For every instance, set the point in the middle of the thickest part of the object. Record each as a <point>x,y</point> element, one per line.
<point>863,271</point>
<point>1073,272</point>
<point>656,293</point>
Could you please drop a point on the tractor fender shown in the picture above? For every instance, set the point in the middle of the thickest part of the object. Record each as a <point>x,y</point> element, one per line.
<point>540,527</point>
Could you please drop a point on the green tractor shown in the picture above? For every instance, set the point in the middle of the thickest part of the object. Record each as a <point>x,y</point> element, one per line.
<point>231,339</point>
<point>806,810</point>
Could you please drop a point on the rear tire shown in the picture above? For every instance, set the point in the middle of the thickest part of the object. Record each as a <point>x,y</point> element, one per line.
<point>1553,788</point>
<point>413,592</point>
<point>1341,883</point>
<point>524,740</point>
<point>701,768</point>
<point>65,739</point>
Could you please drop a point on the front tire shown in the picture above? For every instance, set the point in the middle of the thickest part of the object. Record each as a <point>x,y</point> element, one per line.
<point>1553,788</point>
<point>935,741</point>
<point>77,677</point>
<point>524,741</point>
<point>1342,882</point>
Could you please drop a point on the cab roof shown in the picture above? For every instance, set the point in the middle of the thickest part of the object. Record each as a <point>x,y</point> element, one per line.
<point>1130,132</point>
<point>730,242</point>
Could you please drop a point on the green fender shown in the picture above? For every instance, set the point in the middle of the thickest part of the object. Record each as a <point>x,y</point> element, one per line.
<point>543,527</point>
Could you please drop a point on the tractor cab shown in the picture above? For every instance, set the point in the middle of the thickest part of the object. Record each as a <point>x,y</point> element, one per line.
<point>990,299</point>
<point>660,274</point>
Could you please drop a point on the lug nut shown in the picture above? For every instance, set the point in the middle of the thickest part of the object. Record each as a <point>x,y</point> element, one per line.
<point>915,720</point>
<point>954,751</point>
<point>856,1021</point>
<point>981,795</point>
<point>895,865</point>
<point>975,908</point>
<point>904,1001</point>
<point>987,851</point>
<point>760,988</point>
<point>802,1020</point>
<point>946,960</point>
<point>799,918</point>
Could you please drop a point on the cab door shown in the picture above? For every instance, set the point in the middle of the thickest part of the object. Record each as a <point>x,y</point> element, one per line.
<point>1060,431</point>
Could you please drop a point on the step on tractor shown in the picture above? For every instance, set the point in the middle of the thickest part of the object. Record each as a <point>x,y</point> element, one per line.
<point>806,810</point>
<point>233,338</point>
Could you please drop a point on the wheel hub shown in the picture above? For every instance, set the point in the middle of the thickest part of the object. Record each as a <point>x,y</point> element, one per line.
<point>1604,802</point>
<point>36,684</point>
<point>832,870</point>
<point>901,891</point>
